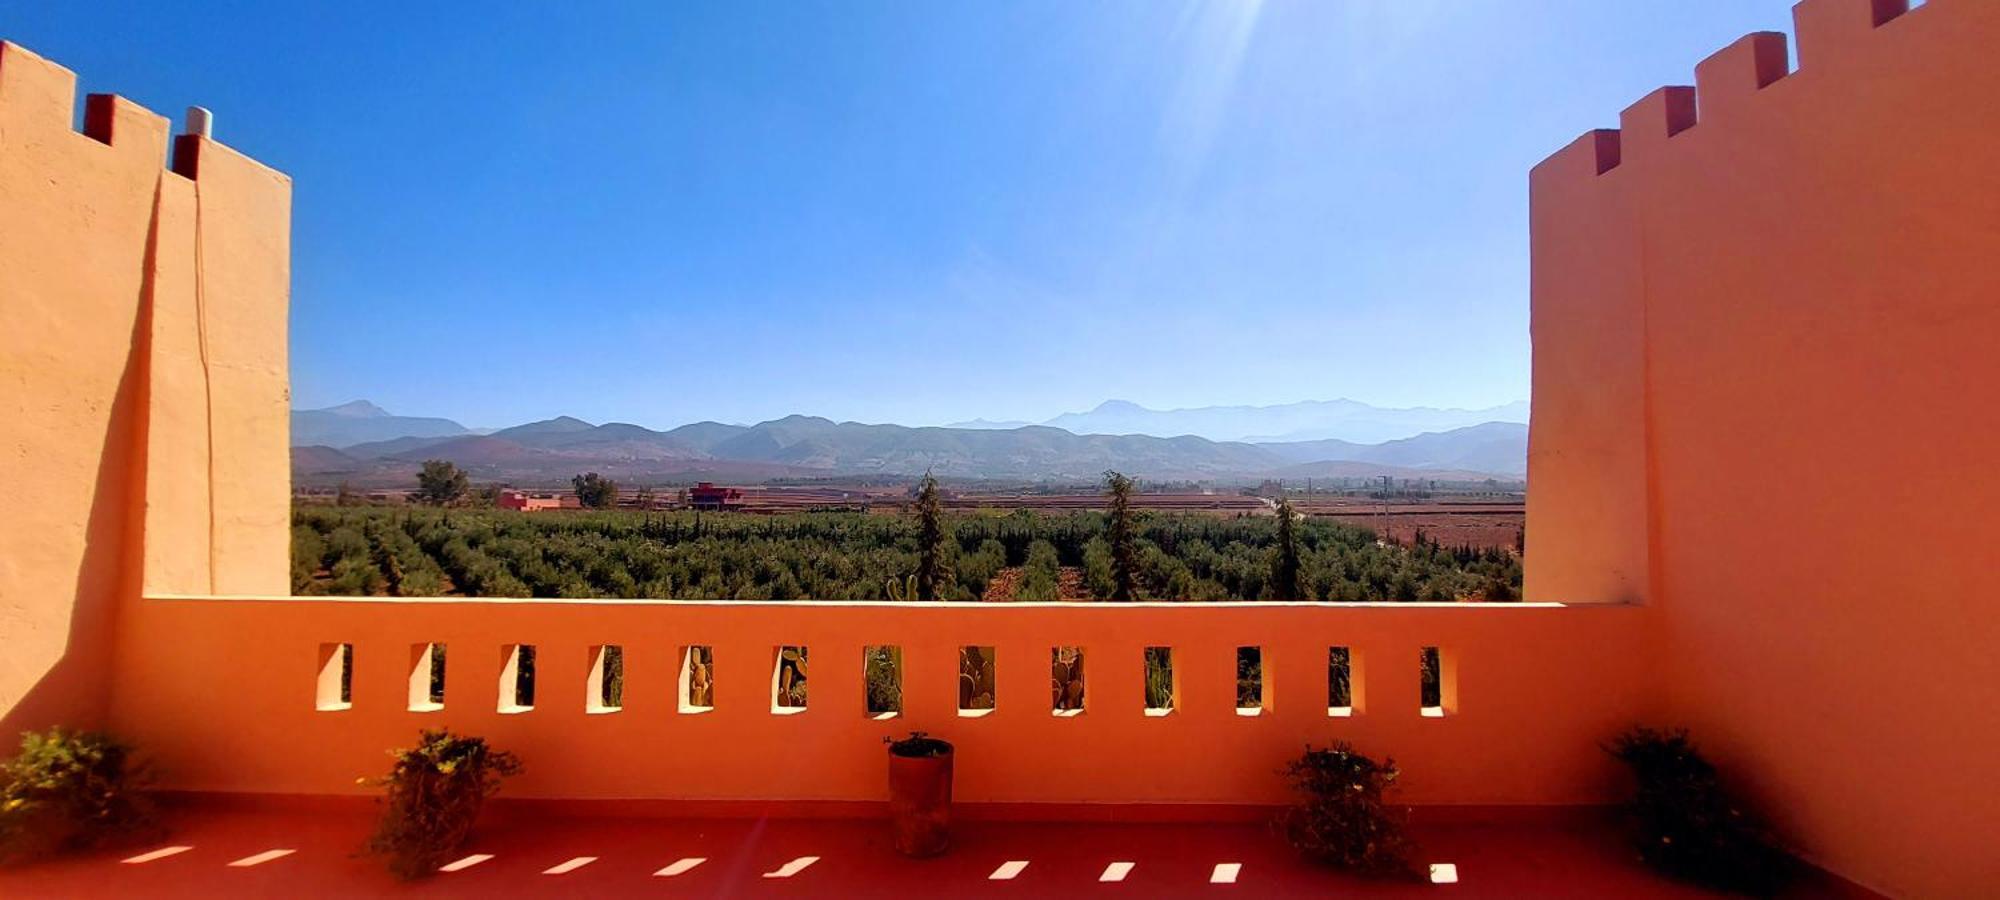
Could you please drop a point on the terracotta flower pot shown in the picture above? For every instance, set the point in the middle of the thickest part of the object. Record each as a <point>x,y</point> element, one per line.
<point>920,799</point>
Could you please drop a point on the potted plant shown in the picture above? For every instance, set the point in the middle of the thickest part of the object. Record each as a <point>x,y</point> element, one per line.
<point>71,791</point>
<point>1341,819</point>
<point>435,792</point>
<point>1687,825</point>
<point>920,794</point>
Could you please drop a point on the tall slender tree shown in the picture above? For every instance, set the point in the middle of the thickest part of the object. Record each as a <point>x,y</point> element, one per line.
<point>933,570</point>
<point>1123,538</point>
<point>1285,567</point>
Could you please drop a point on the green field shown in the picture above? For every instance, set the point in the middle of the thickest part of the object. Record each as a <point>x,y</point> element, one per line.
<point>424,552</point>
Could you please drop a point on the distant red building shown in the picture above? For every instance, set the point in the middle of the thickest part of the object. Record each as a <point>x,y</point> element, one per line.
<point>527,502</point>
<point>707,496</point>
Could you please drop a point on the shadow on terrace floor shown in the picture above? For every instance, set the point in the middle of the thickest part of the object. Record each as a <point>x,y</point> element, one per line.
<point>233,853</point>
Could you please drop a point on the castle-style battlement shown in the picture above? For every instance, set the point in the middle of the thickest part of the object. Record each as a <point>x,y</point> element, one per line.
<point>1835,36</point>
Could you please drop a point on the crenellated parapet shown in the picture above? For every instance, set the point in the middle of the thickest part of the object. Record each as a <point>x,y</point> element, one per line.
<point>1764,318</point>
<point>1690,162</point>
<point>143,332</point>
<point>1833,35</point>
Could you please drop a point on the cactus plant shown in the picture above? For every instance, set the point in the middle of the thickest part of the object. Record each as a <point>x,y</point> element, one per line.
<point>975,678</point>
<point>791,691</point>
<point>1066,678</point>
<point>903,589</point>
<point>882,670</point>
<point>701,681</point>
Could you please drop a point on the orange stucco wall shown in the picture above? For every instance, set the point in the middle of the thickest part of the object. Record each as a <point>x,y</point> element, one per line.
<point>1767,402</point>
<point>115,276</point>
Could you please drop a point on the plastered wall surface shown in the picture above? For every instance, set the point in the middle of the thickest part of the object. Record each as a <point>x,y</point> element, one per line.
<point>1766,382</point>
<point>141,309</point>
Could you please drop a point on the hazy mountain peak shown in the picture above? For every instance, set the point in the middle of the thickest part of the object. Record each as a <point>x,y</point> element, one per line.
<point>557,425</point>
<point>1342,419</point>
<point>355,409</point>
<point>360,422</point>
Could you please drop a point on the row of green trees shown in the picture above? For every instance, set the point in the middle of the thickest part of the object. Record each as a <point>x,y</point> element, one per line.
<point>441,482</point>
<point>853,556</point>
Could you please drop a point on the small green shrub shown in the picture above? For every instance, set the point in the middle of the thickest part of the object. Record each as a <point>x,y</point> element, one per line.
<point>918,744</point>
<point>1687,826</point>
<point>71,791</point>
<point>1341,819</point>
<point>435,792</point>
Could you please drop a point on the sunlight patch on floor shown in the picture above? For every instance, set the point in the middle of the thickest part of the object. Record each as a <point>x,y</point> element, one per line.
<point>466,863</point>
<point>680,866</point>
<point>792,868</point>
<point>1008,870</point>
<point>1225,873</point>
<point>1116,871</point>
<point>1444,873</point>
<point>161,853</point>
<point>571,866</point>
<point>258,859</point>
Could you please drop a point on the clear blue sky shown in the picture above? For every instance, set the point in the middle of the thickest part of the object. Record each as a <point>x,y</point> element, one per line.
<point>914,212</point>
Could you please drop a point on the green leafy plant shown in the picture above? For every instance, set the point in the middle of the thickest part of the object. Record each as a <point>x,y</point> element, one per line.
<point>1686,825</point>
<point>1249,678</point>
<point>882,671</point>
<point>1159,678</point>
<point>435,792</point>
<point>918,744</point>
<point>70,791</point>
<point>1341,819</point>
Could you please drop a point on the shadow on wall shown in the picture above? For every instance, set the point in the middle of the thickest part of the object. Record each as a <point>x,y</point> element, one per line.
<point>75,691</point>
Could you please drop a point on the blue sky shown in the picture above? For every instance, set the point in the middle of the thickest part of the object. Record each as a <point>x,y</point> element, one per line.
<point>886,211</point>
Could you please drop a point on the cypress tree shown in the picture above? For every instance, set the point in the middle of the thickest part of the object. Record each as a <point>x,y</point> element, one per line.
<point>932,572</point>
<point>1285,568</point>
<point>1122,538</point>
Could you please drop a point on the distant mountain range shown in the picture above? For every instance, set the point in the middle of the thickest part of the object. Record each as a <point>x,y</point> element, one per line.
<point>360,422</point>
<point>549,451</point>
<point>1311,420</point>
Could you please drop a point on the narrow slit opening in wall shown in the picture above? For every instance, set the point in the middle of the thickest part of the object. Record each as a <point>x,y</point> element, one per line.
<point>788,681</point>
<point>1066,684</point>
<point>1250,699</point>
<point>882,682</point>
<point>697,679</point>
<point>336,678</point>
<point>517,678</point>
<point>606,690</point>
<point>978,681</point>
<point>1339,681</point>
<point>426,677</point>
<point>1162,684</point>
<point>1436,697</point>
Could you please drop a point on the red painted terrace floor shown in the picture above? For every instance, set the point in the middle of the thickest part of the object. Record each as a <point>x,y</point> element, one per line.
<point>254,853</point>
